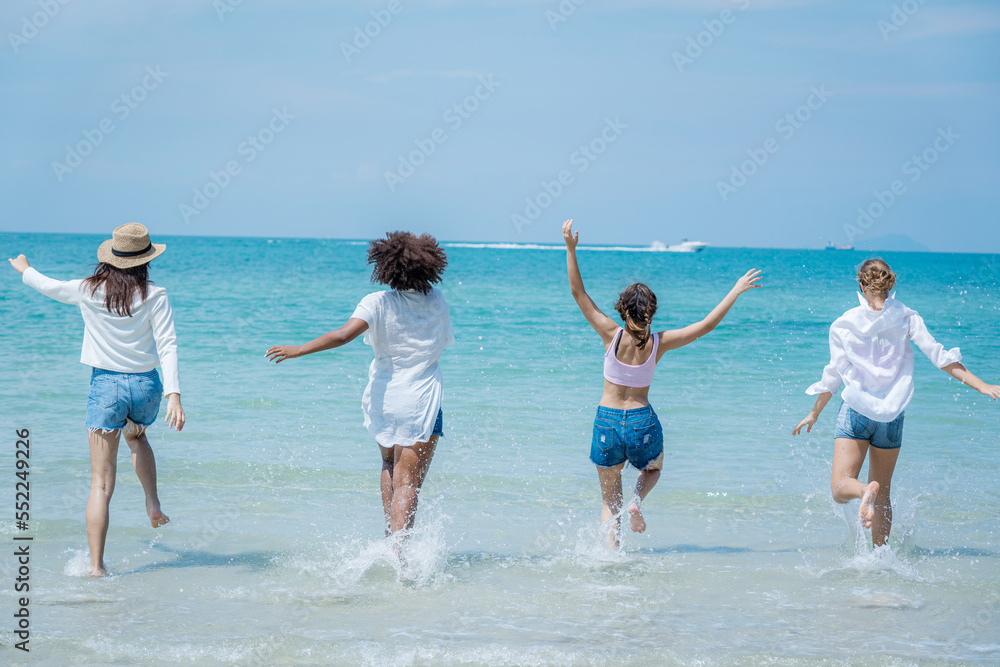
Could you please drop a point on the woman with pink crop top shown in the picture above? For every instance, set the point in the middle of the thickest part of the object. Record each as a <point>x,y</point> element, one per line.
<point>626,428</point>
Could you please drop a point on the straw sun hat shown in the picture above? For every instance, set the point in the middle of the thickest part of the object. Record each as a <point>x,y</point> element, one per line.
<point>129,246</point>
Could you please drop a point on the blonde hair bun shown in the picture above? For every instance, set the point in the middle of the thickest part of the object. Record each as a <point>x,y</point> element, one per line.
<point>876,277</point>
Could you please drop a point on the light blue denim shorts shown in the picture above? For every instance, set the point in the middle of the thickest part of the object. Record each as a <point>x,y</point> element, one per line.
<point>881,435</point>
<point>116,398</point>
<point>620,435</point>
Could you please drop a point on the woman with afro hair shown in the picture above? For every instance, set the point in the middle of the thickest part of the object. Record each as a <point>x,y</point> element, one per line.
<point>626,428</point>
<point>407,327</point>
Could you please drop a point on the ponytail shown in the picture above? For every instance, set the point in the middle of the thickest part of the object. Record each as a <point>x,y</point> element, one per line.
<point>637,306</point>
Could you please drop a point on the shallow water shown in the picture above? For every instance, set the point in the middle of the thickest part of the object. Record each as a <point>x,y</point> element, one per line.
<point>274,553</point>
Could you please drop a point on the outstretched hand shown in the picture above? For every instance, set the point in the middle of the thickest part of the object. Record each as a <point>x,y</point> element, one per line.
<point>20,263</point>
<point>569,236</point>
<point>748,281</point>
<point>808,422</point>
<point>279,353</point>
<point>991,390</point>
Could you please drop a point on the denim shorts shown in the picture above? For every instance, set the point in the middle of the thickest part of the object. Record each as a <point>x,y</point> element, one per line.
<point>116,398</point>
<point>439,424</point>
<point>620,435</point>
<point>881,435</point>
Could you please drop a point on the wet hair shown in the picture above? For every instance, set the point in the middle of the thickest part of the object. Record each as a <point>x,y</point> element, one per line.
<point>636,306</point>
<point>876,277</point>
<point>405,261</point>
<point>120,286</point>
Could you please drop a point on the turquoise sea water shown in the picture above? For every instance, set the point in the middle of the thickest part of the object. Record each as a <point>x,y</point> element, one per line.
<point>274,553</point>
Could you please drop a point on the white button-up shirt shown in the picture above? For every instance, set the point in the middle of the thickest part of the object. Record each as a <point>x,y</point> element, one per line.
<point>135,344</point>
<point>871,357</point>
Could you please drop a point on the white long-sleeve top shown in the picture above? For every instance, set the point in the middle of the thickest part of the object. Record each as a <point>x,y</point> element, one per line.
<point>870,354</point>
<point>407,331</point>
<point>135,344</point>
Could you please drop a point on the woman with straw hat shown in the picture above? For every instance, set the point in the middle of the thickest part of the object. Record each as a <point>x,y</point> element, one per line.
<point>128,332</point>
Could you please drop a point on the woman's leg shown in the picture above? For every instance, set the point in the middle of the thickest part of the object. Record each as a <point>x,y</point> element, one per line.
<point>385,484</point>
<point>881,464</point>
<point>644,483</point>
<point>611,494</point>
<point>103,467</point>
<point>848,457</point>
<point>409,469</point>
<point>144,464</point>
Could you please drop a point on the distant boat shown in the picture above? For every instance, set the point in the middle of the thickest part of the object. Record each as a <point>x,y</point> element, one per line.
<point>685,246</point>
<point>831,246</point>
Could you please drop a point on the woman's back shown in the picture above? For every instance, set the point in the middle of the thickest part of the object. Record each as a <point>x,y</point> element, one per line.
<point>134,343</point>
<point>407,326</point>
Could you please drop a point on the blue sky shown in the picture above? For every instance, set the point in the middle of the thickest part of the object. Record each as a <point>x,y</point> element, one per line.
<point>740,123</point>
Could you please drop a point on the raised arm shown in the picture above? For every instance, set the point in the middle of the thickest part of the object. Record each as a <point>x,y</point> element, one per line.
<point>336,338</point>
<point>61,291</point>
<point>602,324</point>
<point>673,339</point>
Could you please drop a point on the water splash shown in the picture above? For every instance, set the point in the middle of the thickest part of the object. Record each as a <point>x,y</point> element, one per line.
<point>865,560</point>
<point>418,559</point>
<point>78,564</point>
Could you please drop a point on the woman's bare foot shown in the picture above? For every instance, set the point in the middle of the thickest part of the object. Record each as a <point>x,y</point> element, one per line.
<point>156,517</point>
<point>635,519</point>
<point>98,571</point>
<point>867,510</point>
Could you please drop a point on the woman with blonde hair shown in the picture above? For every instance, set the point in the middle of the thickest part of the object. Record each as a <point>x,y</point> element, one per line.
<point>128,332</point>
<point>870,356</point>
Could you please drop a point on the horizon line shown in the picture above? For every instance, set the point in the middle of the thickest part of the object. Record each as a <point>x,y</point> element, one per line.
<point>511,243</point>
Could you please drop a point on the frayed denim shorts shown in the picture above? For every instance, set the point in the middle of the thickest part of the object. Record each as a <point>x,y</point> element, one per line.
<point>881,435</point>
<point>632,435</point>
<point>115,398</point>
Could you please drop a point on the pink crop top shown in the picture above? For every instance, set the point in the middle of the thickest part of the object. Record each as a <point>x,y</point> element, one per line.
<point>628,375</point>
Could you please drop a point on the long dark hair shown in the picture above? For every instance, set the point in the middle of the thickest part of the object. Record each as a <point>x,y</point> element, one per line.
<point>120,286</point>
<point>637,305</point>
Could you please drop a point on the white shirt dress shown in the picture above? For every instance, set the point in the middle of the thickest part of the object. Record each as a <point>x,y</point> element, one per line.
<point>407,331</point>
